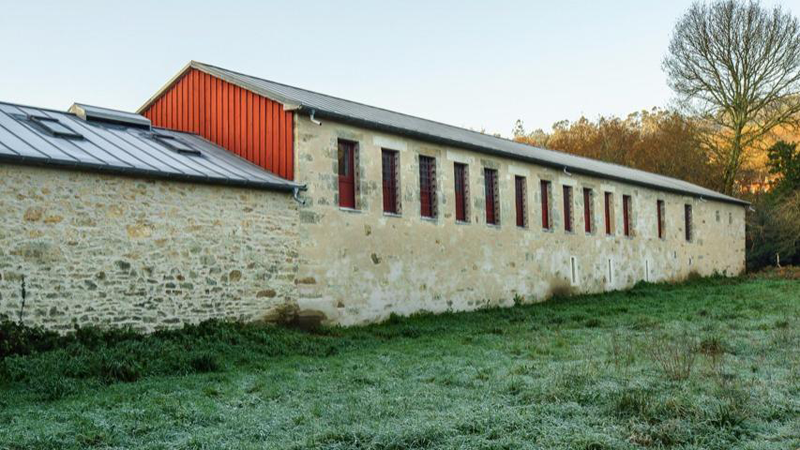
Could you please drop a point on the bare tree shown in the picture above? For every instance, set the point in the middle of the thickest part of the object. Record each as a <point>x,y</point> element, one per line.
<point>737,65</point>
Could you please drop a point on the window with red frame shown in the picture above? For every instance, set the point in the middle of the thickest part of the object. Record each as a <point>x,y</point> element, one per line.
<point>545,191</point>
<point>608,198</point>
<point>347,174</point>
<point>427,186</point>
<point>660,218</point>
<point>588,210</point>
<point>626,215</point>
<point>567,208</point>
<point>492,206</point>
<point>687,218</point>
<point>521,201</point>
<point>460,176</point>
<point>390,185</point>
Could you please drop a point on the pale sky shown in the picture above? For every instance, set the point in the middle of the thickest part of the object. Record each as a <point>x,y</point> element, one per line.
<point>475,64</point>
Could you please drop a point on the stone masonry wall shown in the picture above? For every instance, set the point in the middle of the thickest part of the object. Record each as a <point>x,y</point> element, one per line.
<point>110,250</point>
<point>361,265</point>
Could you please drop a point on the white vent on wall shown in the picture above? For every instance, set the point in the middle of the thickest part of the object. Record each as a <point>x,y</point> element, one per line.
<point>573,270</point>
<point>647,270</point>
<point>610,276</point>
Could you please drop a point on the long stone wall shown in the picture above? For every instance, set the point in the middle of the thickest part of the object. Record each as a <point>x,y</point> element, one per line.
<point>110,250</point>
<point>361,265</point>
<point>116,251</point>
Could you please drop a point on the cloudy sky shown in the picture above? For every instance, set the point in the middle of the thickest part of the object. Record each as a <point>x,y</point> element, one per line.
<point>477,64</point>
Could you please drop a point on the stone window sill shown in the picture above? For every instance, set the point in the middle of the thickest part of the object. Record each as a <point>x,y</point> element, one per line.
<point>350,210</point>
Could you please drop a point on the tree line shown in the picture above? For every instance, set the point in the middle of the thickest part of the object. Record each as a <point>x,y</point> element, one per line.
<point>734,67</point>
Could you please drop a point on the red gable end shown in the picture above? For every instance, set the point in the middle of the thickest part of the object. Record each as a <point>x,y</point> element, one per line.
<point>247,124</point>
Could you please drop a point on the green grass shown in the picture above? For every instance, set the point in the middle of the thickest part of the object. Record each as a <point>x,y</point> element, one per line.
<point>709,364</point>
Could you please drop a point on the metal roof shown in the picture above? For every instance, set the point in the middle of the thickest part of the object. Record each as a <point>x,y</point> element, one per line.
<point>334,108</point>
<point>122,149</point>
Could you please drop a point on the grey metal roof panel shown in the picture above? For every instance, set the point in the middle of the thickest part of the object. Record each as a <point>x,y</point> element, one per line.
<point>390,121</point>
<point>124,149</point>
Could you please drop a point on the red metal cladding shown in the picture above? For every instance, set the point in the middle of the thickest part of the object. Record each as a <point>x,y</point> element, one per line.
<point>249,125</point>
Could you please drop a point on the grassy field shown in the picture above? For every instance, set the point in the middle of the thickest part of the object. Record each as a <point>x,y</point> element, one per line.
<point>708,364</point>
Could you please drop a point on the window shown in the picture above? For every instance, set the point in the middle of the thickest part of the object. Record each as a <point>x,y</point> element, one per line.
<point>730,218</point>
<point>588,211</point>
<point>462,195</point>
<point>492,205</point>
<point>54,127</point>
<point>607,205</point>
<point>347,174</point>
<point>175,144</point>
<point>391,203</point>
<point>717,216</point>
<point>545,188</point>
<point>521,201</point>
<point>687,217</point>
<point>626,215</point>
<point>568,209</point>
<point>427,186</point>
<point>660,218</point>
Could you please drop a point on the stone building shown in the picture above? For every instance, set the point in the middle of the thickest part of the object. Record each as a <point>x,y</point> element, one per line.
<point>325,205</point>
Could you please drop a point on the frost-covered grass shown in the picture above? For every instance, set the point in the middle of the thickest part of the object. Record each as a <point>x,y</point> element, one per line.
<point>709,364</point>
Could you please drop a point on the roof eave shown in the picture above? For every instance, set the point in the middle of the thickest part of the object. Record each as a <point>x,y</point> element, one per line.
<point>321,113</point>
<point>101,168</point>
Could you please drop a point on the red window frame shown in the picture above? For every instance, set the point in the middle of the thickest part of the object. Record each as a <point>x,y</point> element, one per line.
<point>427,186</point>
<point>389,160</point>
<point>460,177</point>
<point>587,210</point>
<point>490,184</point>
<point>608,197</point>
<point>687,218</point>
<point>545,191</point>
<point>626,214</point>
<point>567,194</point>
<point>519,194</point>
<point>347,174</point>
<point>660,217</point>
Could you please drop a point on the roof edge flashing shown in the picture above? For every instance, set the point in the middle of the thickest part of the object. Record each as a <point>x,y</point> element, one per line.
<point>719,197</point>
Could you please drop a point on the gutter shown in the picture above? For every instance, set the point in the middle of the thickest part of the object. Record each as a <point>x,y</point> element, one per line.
<point>288,186</point>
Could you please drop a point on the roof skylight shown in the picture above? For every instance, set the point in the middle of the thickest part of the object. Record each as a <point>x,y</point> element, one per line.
<point>55,127</point>
<point>177,145</point>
